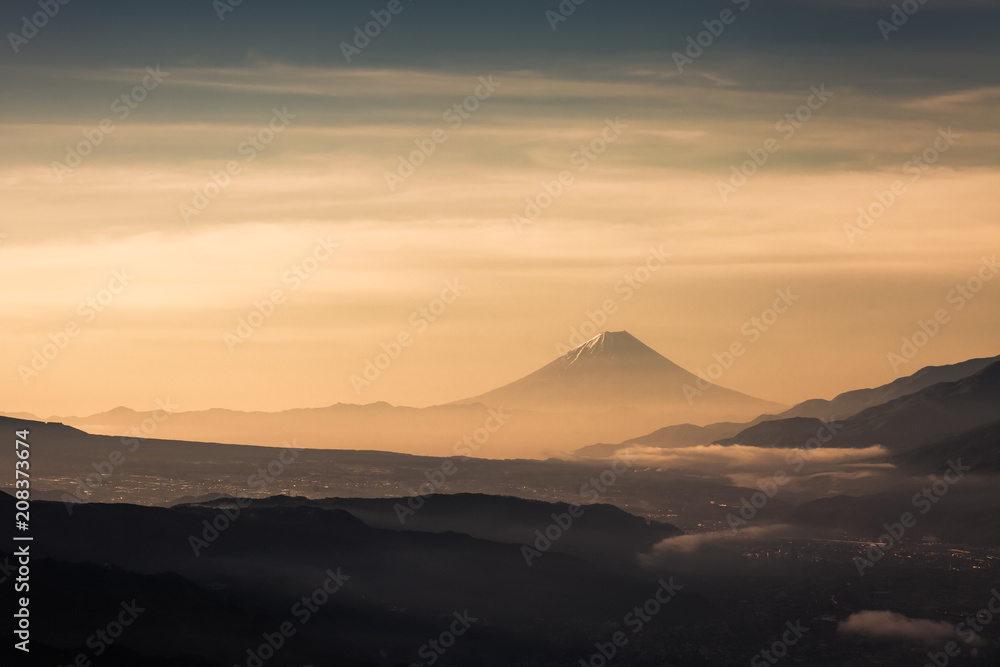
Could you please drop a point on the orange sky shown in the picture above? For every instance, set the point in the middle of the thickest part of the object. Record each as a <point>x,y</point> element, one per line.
<point>323,177</point>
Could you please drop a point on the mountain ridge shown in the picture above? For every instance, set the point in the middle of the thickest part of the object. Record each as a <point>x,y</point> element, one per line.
<point>842,406</point>
<point>908,423</point>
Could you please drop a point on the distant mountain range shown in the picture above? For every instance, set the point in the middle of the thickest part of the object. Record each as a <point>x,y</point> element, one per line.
<point>611,387</point>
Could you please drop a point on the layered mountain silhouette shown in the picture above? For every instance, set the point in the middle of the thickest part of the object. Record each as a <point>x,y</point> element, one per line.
<point>244,574</point>
<point>603,533</point>
<point>852,402</point>
<point>900,425</point>
<point>792,427</point>
<point>611,387</point>
<point>72,466</point>
<point>617,370</point>
<point>978,447</point>
<point>235,570</point>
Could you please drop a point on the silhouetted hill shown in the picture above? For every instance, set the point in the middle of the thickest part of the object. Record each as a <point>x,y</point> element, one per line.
<point>50,429</point>
<point>786,433</point>
<point>678,435</point>
<point>852,402</point>
<point>176,623</point>
<point>167,472</point>
<point>840,408</point>
<point>602,532</point>
<point>403,588</point>
<point>966,515</point>
<point>978,447</point>
<point>903,424</point>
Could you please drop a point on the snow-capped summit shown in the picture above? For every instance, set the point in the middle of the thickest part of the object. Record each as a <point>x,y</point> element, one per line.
<point>614,347</point>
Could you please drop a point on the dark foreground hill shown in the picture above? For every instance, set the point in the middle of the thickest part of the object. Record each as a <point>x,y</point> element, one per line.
<point>215,579</point>
<point>600,533</point>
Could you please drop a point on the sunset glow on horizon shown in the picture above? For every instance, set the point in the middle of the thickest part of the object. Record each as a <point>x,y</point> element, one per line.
<point>248,224</point>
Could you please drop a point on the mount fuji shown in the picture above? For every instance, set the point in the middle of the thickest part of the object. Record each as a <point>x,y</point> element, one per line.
<point>615,370</point>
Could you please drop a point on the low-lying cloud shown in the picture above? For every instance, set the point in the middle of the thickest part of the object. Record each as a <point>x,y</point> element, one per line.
<point>691,543</point>
<point>735,457</point>
<point>890,625</point>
